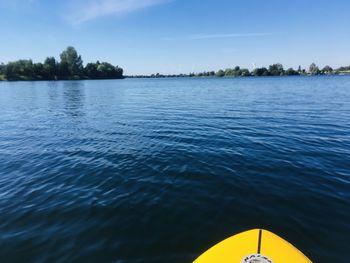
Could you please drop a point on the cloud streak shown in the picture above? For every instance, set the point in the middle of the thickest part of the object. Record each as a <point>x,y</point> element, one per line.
<point>231,35</point>
<point>219,36</point>
<point>85,11</point>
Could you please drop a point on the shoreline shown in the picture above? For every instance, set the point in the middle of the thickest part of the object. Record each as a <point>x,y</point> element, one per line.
<point>232,77</point>
<point>179,77</point>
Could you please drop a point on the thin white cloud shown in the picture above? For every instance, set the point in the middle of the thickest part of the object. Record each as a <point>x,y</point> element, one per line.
<point>83,11</point>
<point>218,36</point>
<point>231,35</point>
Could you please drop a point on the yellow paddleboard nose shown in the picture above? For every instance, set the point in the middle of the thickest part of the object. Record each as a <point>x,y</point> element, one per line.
<point>253,246</point>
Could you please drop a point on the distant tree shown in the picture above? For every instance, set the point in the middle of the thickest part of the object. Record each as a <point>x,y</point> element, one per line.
<point>70,67</point>
<point>119,72</point>
<point>344,68</point>
<point>2,69</point>
<point>26,69</point>
<point>327,70</point>
<point>237,71</point>
<point>261,72</point>
<point>20,70</point>
<point>266,73</point>
<point>38,69</point>
<point>291,72</point>
<point>229,72</point>
<point>220,73</point>
<point>245,72</point>
<point>313,69</point>
<point>233,72</point>
<point>63,71</point>
<point>105,70</point>
<point>51,68</point>
<point>72,62</point>
<point>90,70</point>
<point>276,70</point>
<point>9,71</point>
<point>257,72</point>
<point>108,71</point>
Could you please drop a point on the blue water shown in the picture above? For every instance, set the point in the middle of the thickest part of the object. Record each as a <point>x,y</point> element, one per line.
<point>142,170</point>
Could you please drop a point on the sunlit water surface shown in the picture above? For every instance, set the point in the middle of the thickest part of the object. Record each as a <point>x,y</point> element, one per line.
<point>160,170</point>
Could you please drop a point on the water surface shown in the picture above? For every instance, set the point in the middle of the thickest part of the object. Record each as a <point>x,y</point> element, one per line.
<point>143,170</point>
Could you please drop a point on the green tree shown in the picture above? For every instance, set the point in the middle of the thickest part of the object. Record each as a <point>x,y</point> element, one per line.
<point>233,72</point>
<point>261,72</point>
<point>245,72</point>
<point>103,70</point>
<point>106,70</point>
<point>344,68</point>
<point>313,69</point>
<point>220,73</point>
<point>229,72</point>
<point>2,71</point>
<point>2,68</point>
<point>9,71</point>
<point>90,70</point>
<point>71,63</point>
<point>38,69</point>
<point>20,70</point>
<point>327,70</point>
<point>63,71</point>
<point>291,72</point>
<point>70,67</point>
<point>276,70</point>
<point>50,68</point>
<point>237,71</point>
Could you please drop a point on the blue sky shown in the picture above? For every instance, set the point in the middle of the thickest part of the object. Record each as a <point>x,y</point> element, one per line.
<point>173,36</point>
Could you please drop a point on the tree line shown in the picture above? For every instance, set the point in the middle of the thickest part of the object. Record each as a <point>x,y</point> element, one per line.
<point>70,67</point>
<point>272,70</point>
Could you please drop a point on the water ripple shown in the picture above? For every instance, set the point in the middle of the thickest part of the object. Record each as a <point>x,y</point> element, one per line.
<point>160,170</point>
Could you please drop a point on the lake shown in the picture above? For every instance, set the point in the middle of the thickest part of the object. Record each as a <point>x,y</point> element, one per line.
<point>159,170</point>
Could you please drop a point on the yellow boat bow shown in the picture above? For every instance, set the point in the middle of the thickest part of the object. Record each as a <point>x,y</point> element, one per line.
<point>254,246</point>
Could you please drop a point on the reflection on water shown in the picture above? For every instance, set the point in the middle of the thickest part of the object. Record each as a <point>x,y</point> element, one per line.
<point>74,96</point>
<point>53,90</point>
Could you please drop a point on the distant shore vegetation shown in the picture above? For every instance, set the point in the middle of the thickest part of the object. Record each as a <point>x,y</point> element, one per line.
<point>272,70</point>
<point>70,67</point>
